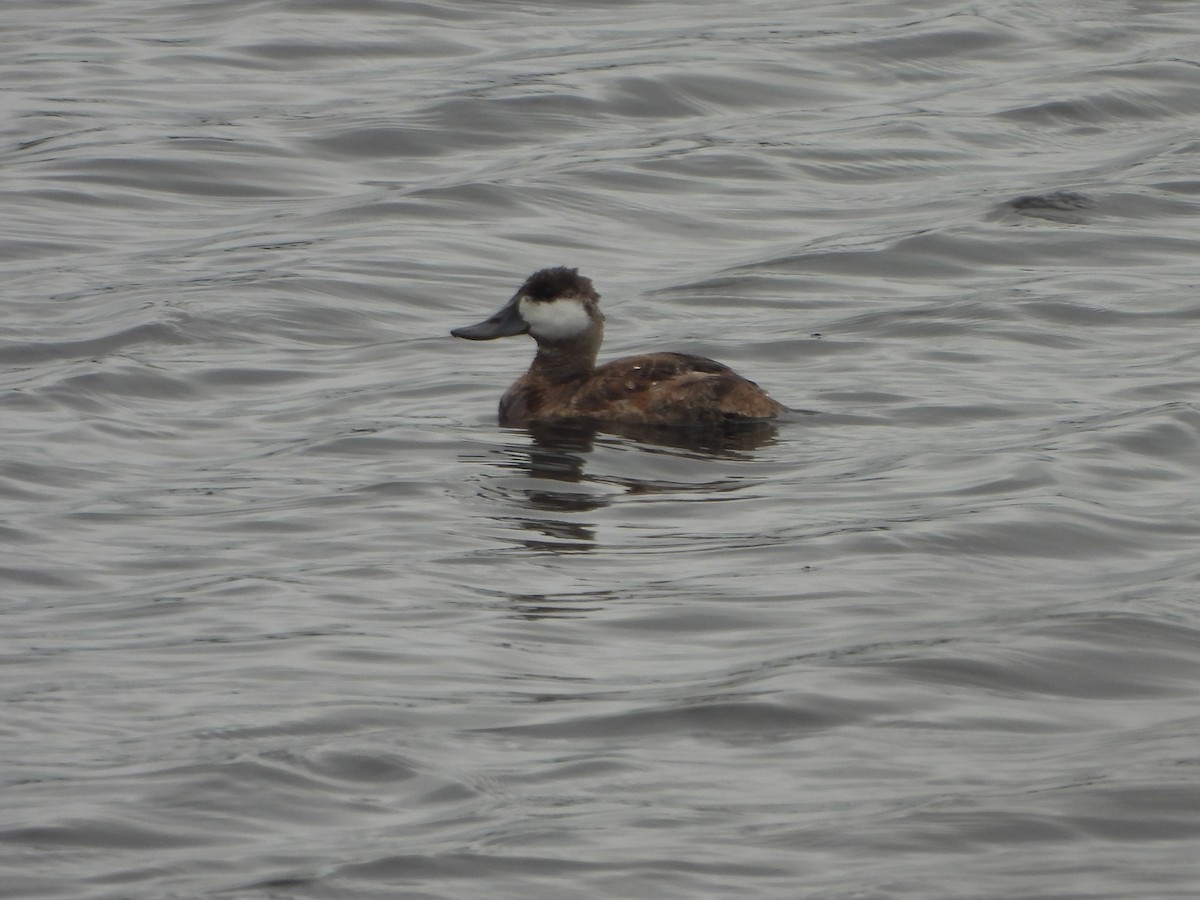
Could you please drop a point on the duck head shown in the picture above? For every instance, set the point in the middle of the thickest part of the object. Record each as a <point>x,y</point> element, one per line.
<point>553,306</point>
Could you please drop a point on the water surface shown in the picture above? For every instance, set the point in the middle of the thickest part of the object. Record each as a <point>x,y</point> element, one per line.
<point>288,615</point>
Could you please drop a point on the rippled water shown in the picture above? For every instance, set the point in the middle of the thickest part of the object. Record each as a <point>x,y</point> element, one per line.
<point>288,615</point>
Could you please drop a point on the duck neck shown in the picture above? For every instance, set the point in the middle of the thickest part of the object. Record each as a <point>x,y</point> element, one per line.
<point>560,361</point>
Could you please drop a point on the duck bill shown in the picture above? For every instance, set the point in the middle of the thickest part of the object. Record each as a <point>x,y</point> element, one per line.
<point>506,322</point>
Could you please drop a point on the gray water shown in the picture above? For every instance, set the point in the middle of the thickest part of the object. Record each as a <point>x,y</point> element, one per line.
<point>285,614</point>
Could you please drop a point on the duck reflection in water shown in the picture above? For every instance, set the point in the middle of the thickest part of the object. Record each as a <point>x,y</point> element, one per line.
<point>663,398</point>
<point>557,458</point>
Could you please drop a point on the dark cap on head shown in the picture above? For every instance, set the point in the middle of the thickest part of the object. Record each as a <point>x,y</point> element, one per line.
<point>560,281</point>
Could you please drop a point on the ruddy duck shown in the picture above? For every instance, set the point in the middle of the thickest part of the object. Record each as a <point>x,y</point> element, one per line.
<point>560,310</point>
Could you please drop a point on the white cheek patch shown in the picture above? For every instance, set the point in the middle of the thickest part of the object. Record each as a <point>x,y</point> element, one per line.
<point>555,320</point>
